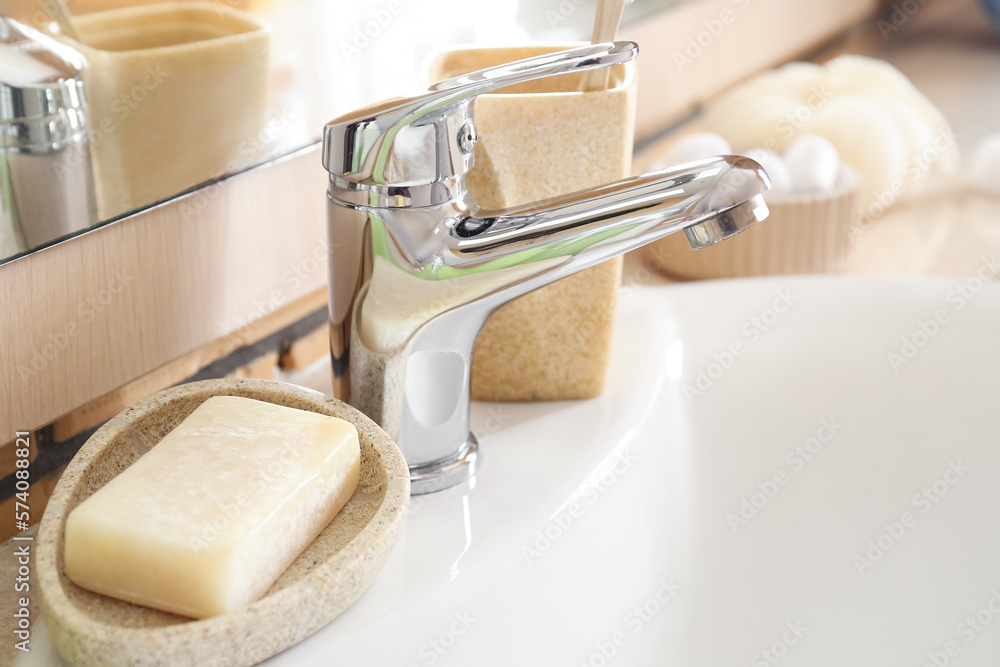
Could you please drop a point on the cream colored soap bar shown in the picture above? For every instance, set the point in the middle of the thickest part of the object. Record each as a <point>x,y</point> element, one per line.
<point>207,520</point>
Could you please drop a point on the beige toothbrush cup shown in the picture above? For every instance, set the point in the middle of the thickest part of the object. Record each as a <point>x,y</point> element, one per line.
<point>538,140</point>
<point>177,95</point>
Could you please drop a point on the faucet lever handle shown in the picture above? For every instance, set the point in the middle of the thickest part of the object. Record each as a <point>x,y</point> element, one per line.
<point>491,79</point>
<point>383,154</point>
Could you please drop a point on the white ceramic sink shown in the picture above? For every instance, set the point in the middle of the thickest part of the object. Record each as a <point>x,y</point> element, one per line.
<point>609,532</point>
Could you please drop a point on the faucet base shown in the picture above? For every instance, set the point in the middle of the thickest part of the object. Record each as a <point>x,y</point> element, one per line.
<point>445,473</point>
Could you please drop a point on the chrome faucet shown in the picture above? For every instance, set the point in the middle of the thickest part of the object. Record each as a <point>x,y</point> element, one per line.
<point>416,267</point>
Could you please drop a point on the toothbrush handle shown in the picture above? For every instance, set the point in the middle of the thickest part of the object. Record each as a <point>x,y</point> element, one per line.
<point>609,15</point>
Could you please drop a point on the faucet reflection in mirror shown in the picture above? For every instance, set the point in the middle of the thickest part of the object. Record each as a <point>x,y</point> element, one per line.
<point>46,182</point>
<point>416,267</point>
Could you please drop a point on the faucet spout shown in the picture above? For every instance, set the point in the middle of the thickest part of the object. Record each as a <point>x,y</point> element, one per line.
<point>723,190</point>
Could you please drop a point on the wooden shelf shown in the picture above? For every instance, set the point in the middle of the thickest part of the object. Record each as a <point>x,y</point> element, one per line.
<point>94,313</point>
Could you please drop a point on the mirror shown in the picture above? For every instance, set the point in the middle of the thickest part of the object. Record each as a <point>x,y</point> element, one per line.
<point>175,96</point>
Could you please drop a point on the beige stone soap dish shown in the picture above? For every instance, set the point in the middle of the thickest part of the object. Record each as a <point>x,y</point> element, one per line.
<point>333,571</point>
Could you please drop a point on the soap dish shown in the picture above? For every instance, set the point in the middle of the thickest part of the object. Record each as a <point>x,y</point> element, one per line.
<point>332,572</point>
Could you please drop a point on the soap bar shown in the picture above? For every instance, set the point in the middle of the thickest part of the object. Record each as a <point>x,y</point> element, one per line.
<point>208,519</point>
